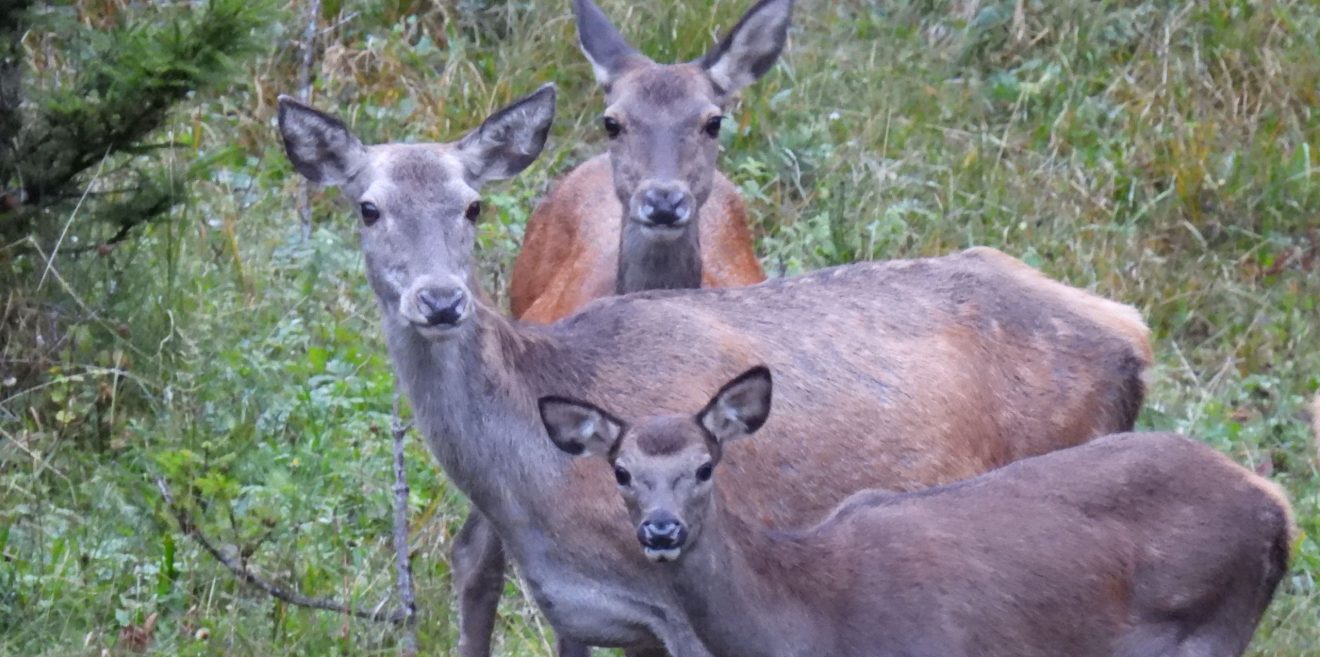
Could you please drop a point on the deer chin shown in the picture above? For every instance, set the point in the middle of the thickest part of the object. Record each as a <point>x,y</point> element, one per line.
<point>438,333</point>
<point>662,556</point>
<point>661,233</point>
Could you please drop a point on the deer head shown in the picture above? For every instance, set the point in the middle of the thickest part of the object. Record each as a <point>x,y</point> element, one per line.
<point>663,121</point>
<point>418,203</point>
<point>664,464</point>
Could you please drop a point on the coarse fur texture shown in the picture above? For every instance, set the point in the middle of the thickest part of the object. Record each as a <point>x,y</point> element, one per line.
<point>1131,545</point>
<point>907,373</point>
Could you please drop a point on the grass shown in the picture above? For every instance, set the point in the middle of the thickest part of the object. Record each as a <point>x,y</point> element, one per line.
<point>1164,154</point>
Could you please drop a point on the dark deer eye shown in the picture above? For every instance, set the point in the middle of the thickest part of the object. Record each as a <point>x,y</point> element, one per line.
<point>712,126</point>
<point>473,211</point>
<point>622,476</point>
<point>369,213</point>
<point>612,127</point>
<point>704,472</point>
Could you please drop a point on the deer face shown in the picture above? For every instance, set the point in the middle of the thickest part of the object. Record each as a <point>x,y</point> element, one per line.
<point>665,464</point>
<point>663,121</point>
<point>418,204</point>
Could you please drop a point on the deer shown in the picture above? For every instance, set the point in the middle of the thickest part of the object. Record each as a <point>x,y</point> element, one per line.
<point>1132,544</point>
<point>653,212</point>
<point>912,372</point>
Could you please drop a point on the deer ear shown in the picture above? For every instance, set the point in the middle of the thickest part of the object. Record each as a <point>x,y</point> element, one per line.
<point>578,427</point>
<point>740,408</point>
<point>751,47</point>
<point>319,145</point>
<point>605,48</point>
<point>509,140</point>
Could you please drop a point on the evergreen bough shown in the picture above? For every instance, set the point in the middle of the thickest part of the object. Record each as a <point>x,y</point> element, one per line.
<point>123,85</point>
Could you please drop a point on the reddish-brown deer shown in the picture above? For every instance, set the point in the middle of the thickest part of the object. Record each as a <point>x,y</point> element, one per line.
<point>652,213</point>
<point>908,373</point>
<point>1136,545</point>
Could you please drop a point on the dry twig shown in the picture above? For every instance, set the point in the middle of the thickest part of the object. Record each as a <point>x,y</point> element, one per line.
<point>403,561</point>
<point>379,613</point>
<point>304,94</point>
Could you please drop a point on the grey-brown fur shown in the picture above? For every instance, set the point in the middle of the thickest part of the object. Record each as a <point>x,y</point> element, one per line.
<point>662,111</point>
<point>907,374</point>
<point>1133,545</point>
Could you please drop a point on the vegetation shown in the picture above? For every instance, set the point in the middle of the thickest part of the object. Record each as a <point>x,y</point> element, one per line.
<point>1164,154</point>
<point>103,85</point>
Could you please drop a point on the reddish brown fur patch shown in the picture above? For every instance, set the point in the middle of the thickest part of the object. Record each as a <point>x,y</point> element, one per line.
<point>1120,318</point>
<point>571,248</point>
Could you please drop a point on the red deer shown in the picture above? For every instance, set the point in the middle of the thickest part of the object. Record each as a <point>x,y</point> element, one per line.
<point>909,373</point>
<point>1132,544</point>
<point>653,212</point>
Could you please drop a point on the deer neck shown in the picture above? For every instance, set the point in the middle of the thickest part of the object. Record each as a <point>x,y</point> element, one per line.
<point>475,405</point>
<point>647,262</point>
<point>735,586</point>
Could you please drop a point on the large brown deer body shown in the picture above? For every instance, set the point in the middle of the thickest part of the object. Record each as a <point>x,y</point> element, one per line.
<point>652,213</point>
<point>909,373</point>
<point>1132,545</point>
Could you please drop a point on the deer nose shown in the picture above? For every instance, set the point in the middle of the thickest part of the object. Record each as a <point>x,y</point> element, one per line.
<point>662,532</point>
<point>441,306</point>
<point>666,206</point>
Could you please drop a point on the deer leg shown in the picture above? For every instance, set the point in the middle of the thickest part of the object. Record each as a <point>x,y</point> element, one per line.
<point>570,648</point>
<point>477,564</point>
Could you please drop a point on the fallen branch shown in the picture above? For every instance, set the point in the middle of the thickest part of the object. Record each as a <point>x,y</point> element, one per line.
<point>379,614</point>
<point>403,562</point>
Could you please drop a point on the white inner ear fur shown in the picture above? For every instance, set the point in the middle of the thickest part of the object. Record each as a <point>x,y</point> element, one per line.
<point>723,422</point>
<point>602,74</point>
<point>754,40</point>
<point>586,429</point>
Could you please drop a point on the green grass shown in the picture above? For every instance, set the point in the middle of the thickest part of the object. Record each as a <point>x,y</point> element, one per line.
<point>1163,154</point>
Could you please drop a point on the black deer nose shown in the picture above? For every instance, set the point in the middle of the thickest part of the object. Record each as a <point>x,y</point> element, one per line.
<point>441,306</point>
<point>666,207</point>
<point>662,533</point>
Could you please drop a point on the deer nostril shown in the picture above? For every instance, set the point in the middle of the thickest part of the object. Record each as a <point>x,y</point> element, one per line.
<point>662,533</point>
<point>663,206</point>
<point>441,306</point>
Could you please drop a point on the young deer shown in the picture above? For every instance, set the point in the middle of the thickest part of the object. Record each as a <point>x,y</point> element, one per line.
<point>1138,545</point>
<point>652,213</point>
<point>909,373</point>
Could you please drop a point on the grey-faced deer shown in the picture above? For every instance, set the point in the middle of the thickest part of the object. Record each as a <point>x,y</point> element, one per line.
<point>909,373</point>
<point>1137,545</point>
<point>652,213</point>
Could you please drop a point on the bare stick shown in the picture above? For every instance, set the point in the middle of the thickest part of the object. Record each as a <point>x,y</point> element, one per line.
<point>379,613</point>
<point>403,562</point>
<point>304,93</point>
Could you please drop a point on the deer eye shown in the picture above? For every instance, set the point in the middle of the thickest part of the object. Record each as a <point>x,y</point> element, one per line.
<point>473,211</point>
<point>622,476</point>
<point>704,472</point>
<point>712,127</point>
<point>612,127</point>
<point>369,213</point>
